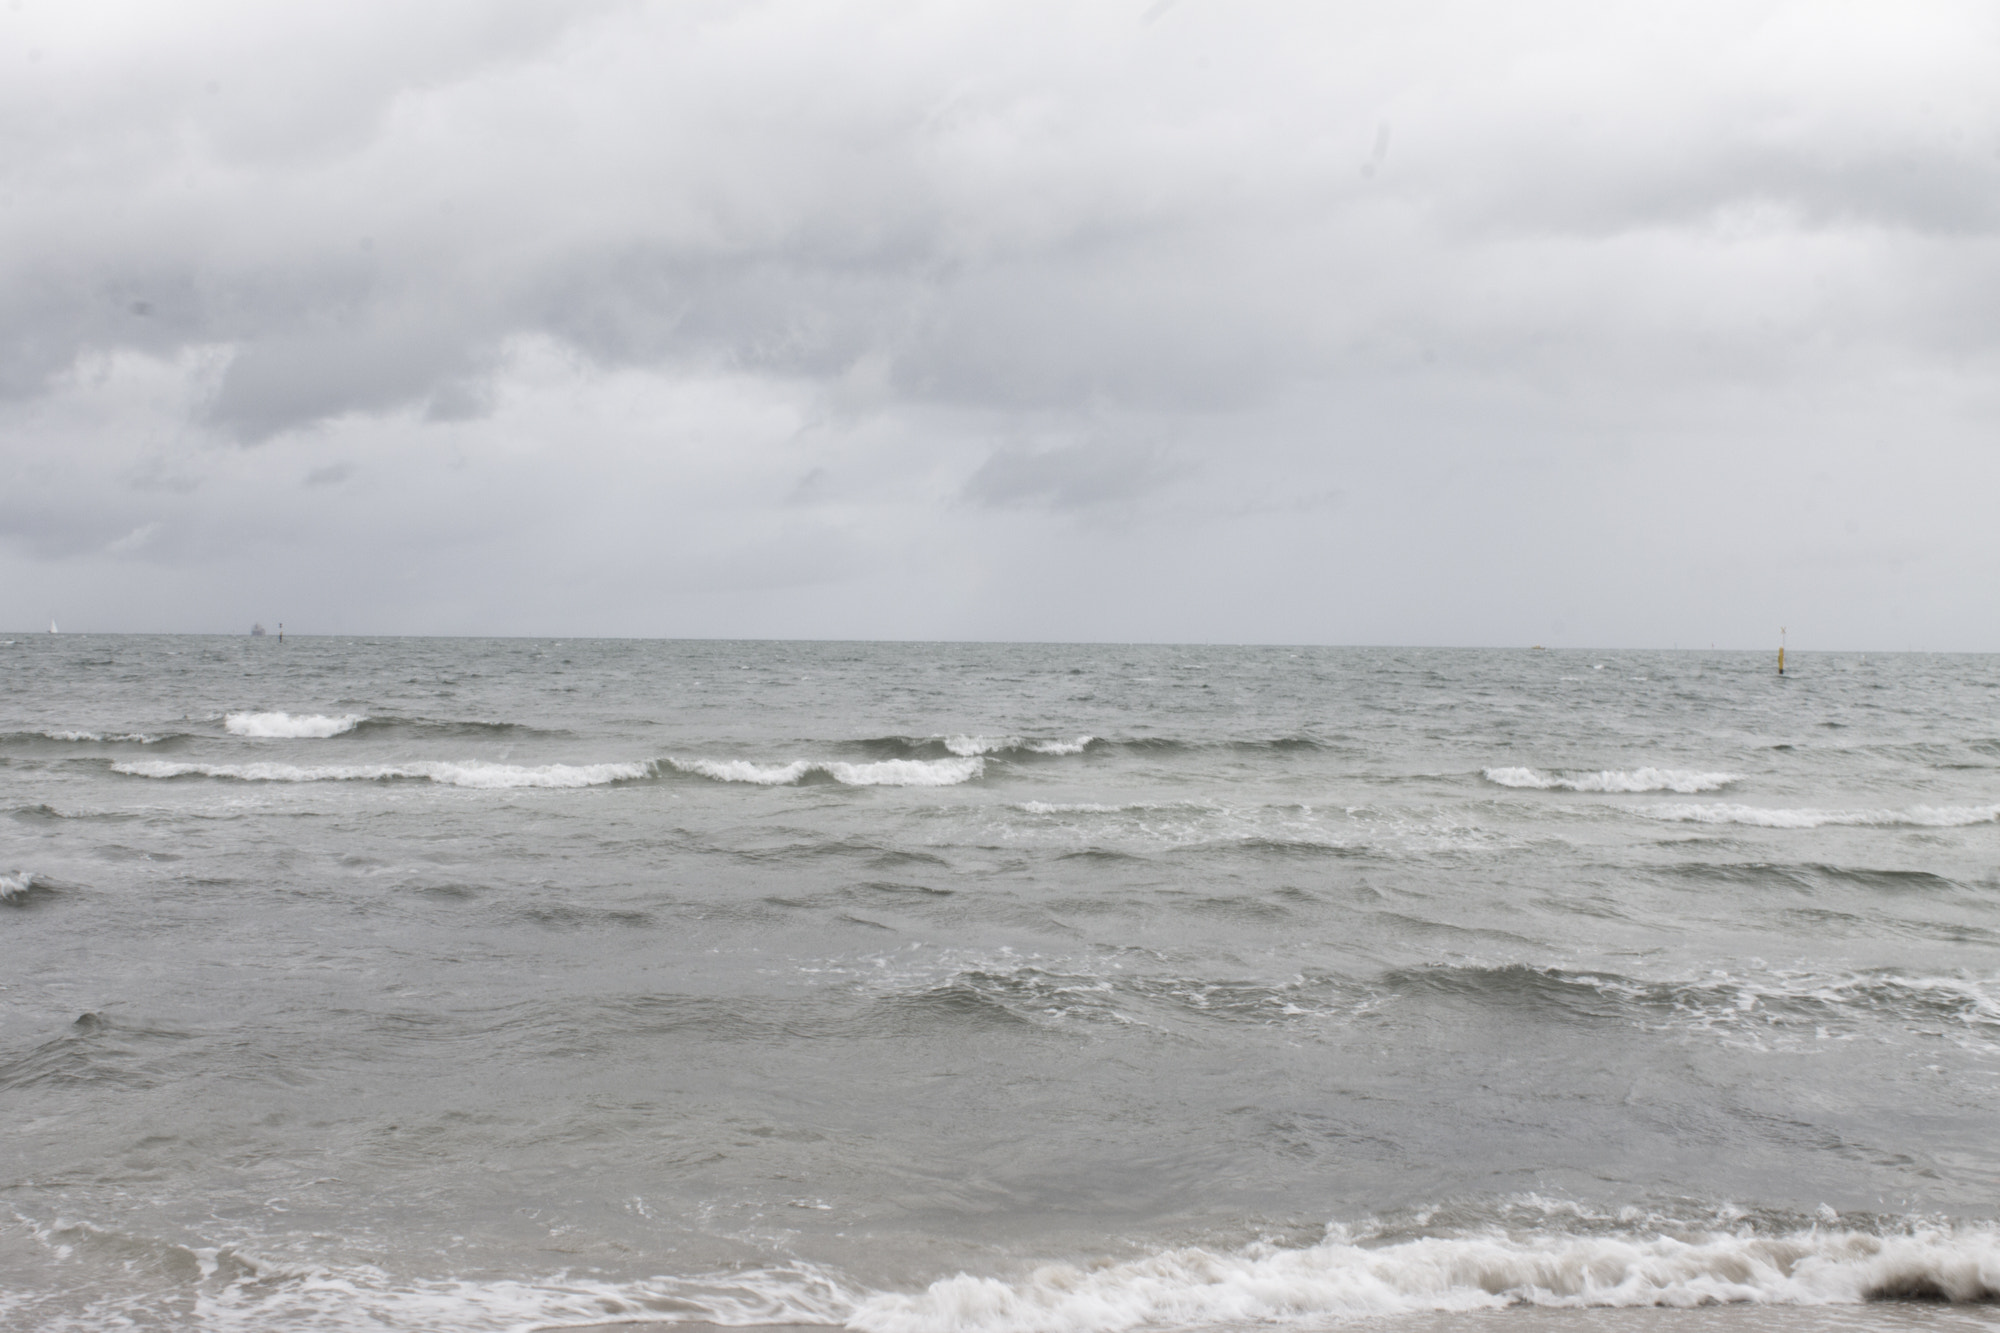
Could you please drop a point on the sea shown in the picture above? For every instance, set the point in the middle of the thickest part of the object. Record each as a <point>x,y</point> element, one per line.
<point>456,985</point>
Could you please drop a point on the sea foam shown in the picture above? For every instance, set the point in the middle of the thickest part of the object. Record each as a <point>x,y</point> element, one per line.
<point>1201,1287</point>
<point>290,726</point>
<point>1612,780</point>
<point>885,773</point>
<point>1917,816</point>
<point>470,773</point>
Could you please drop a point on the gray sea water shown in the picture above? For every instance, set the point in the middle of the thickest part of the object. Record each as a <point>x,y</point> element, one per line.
<point>407,984</point>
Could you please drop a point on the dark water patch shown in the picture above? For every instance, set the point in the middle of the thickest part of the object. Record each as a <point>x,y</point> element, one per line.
<point>1889,881</point>
<point>1807,876</point>
<point>1283,849</point>
<point>1752,1005</point>
<point>897,857</point>
<point>95,1052</point>
<point>1102,856</point>
<point>1962,1288</point>
<point>853,920</point>
<point>1240,909</point>
<point>569,916</point>
<point>447,729</point>
<point>976,999</point>
<point>918,891</point>
<point>1279,745</point>
<point>1760,874</point>
<point>1515,987</point>
<point>118,851</point>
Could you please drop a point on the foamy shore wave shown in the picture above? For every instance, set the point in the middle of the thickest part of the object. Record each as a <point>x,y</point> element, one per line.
<point>884,773</point>
<point>290,726</point>
<point>1611,780</point>
<point>1196,1287</point>
<point>1189,1288</point>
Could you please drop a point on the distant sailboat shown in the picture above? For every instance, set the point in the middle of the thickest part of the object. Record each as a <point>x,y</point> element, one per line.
<point>52,624</point>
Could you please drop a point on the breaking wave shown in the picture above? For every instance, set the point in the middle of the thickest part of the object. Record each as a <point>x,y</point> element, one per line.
<point>470,773</point>
<point>1344,1275</point>
<point>1264,1283</point>
<point>883,773</point>
<point>1917,816</point>
<point>16,886</point>
<point>1612,780</point>
<point>290,726</point>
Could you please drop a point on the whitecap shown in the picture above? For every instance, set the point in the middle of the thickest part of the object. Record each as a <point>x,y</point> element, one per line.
<point>289,726</point>
<point>1918,816</point>
<point>470,773</point>
<point>1612,780</point>
<point>886,773</point>
<point>15,885</point>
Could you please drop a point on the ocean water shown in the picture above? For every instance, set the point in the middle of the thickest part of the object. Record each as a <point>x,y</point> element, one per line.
<point>393,984</point>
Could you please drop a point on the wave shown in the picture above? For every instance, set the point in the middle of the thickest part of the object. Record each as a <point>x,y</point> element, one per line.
<point>1918,816</point>
<point>1264,1283</point>
<point>967,746</point>
<point>18,887</point>
<point>448,728</point>
<point>79,736</point>
<point>1348,1273</point>
<point>471,773</point>
<point>230,1287</point>
<point>1753,1008</point>
<point>289,726</point>
<point>1612,780</point>
<point>882,773</point>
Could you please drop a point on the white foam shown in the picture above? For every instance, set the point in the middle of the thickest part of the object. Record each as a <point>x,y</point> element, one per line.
<point>472,773</point>
<point>289,726</point>
<point>1199,1287</point>
<point>886,773</point>
<point>133,737</point>
<point>1173,1289</point>
<point>1918,816</point>
<point>1612,780</point>
<point>968,746</point>
<point>14,885</point>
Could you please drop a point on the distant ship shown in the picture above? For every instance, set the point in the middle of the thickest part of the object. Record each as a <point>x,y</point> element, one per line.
<point>257,630</point>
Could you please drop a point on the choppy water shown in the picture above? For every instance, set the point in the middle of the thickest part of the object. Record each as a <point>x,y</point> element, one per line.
<point>461,985</point>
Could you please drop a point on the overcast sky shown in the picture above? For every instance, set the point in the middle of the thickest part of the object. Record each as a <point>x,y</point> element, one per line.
<point>1584,324</point>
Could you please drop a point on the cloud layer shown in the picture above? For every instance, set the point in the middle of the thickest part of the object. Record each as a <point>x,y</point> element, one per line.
<point>1433,322</point>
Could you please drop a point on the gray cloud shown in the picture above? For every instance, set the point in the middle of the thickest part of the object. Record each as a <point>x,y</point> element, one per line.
<point>521,266</point>
<point>1074,476</point>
